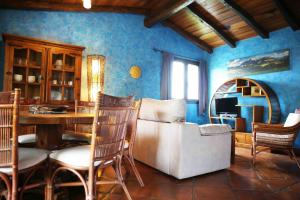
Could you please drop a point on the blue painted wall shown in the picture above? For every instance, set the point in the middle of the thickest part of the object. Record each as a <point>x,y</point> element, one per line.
<point>122,38</point>
<point>286,84</point>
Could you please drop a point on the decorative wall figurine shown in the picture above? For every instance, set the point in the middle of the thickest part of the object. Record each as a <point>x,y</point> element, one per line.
<point>135,72</point>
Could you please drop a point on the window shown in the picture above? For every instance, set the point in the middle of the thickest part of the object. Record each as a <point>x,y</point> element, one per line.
<point>185,80</point>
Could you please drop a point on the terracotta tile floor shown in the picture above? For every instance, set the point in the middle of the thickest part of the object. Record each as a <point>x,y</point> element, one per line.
<point>274,177</point>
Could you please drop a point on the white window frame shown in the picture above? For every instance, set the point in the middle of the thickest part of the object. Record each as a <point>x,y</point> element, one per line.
<point>186,62</point>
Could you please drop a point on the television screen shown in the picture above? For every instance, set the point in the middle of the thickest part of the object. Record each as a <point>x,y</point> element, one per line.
<point>227,106</point>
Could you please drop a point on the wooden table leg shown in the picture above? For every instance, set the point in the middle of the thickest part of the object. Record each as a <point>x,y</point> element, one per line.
<point>232,147</point>
<point>49,136</point>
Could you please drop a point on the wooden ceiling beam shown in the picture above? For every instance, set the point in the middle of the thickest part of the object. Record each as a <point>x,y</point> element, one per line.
<point>195,40</point>
<point>288,16</point>
<point>166,12</point>
<point>58,6</point>
<point>242,13</point>
<point>220,32</point>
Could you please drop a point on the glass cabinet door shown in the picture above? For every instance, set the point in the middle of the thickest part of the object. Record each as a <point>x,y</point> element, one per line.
<point>62,77</point>
<point>28,73</point>
<point>19,69</point>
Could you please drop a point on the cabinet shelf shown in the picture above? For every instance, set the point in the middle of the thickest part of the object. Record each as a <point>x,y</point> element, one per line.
<point>68,86</point>
<point>56,85</point>
<point>69,70</point>
<point>229,92</point>
<point>20,65</point>
<point>58,70</point>
<point>19,82</point>
<point>229,118</point>
<point>34,67</point>
<point>246,105</point>
<point>35,84</point>
<point>250,90</point>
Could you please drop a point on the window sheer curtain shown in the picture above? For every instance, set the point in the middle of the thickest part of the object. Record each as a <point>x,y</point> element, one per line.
<point>165,83</point>
<point>203,85</point>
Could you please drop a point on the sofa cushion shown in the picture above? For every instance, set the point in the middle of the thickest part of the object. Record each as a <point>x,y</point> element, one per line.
<point>292,120</point>
<point>213,129</point>
<point>162,110</point>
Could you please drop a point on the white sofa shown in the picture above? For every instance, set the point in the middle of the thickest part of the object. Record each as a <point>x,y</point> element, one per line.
<point>164,141</point>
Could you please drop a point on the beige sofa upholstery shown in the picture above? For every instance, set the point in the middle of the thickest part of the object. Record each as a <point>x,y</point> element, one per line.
<point>178,148</point>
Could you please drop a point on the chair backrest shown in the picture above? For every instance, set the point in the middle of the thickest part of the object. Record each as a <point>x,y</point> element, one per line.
<point>108,132</point>
<point>9,116</point>
<point>109,127</point>
<point>132,123</point>
<point>84,107</point>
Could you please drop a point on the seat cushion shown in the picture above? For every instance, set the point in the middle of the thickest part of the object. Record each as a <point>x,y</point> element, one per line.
<point>162,110</point>
<point>126,145</point>
<point>28,157</point>
<point>292,120</point>
<point>75,137</point>
<point>28,138</point>
<point>285,139</point>
<point>77,157</point>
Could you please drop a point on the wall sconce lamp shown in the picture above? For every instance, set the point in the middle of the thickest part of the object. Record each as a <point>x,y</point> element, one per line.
<point>95,75</point>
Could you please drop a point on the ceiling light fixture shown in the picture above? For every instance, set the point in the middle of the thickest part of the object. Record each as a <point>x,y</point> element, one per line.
<point>87,4</point>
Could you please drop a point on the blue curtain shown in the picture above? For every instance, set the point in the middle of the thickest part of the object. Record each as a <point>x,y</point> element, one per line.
<point>165,83</point>
<point>203,82</point>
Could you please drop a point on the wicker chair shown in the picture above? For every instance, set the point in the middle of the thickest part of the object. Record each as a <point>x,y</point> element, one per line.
<point>130,139</point>
<point>27,134</point>
<point>79,133</point>
<point>277,136</point>
<point>106,149</point>
<point>15,161</point>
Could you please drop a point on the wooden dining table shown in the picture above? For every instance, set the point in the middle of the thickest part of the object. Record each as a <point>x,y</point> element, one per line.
<point>50,127</point>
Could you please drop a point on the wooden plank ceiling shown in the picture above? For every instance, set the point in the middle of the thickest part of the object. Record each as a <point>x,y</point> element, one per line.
<point>207,23</point>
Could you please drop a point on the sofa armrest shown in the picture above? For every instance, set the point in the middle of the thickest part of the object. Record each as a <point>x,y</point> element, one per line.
<point>193,153</point>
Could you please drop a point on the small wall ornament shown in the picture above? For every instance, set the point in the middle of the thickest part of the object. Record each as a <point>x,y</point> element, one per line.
<point>135,72</point>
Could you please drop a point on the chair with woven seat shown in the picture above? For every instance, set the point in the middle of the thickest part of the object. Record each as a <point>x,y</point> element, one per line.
<point>16,161</point>
<point>130,139</point>
<point>27,134</point>
<point>277,136</point>
<point>106,149</point>
<point>79,133</point>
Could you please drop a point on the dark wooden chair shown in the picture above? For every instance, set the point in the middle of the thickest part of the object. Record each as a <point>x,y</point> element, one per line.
<point>106,149</point>
<point>130,139</point>
<point>16,161</point>
<point>277,136</point>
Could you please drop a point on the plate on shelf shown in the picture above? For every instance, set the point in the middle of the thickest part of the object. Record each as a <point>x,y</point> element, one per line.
<point>56,95</point>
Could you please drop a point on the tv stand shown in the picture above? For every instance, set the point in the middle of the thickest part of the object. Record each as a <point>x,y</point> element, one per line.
<point>246,88</point>
<point>228,115</point>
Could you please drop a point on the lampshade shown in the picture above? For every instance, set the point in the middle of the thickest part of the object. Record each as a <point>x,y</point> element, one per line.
<point>87,4</point>
<point>95,75</point>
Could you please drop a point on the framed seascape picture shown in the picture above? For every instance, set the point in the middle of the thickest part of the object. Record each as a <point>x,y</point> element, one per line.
<point>260,64</point>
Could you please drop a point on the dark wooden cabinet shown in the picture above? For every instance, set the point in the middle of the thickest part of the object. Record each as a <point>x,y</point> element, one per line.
<point>45,71</point>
